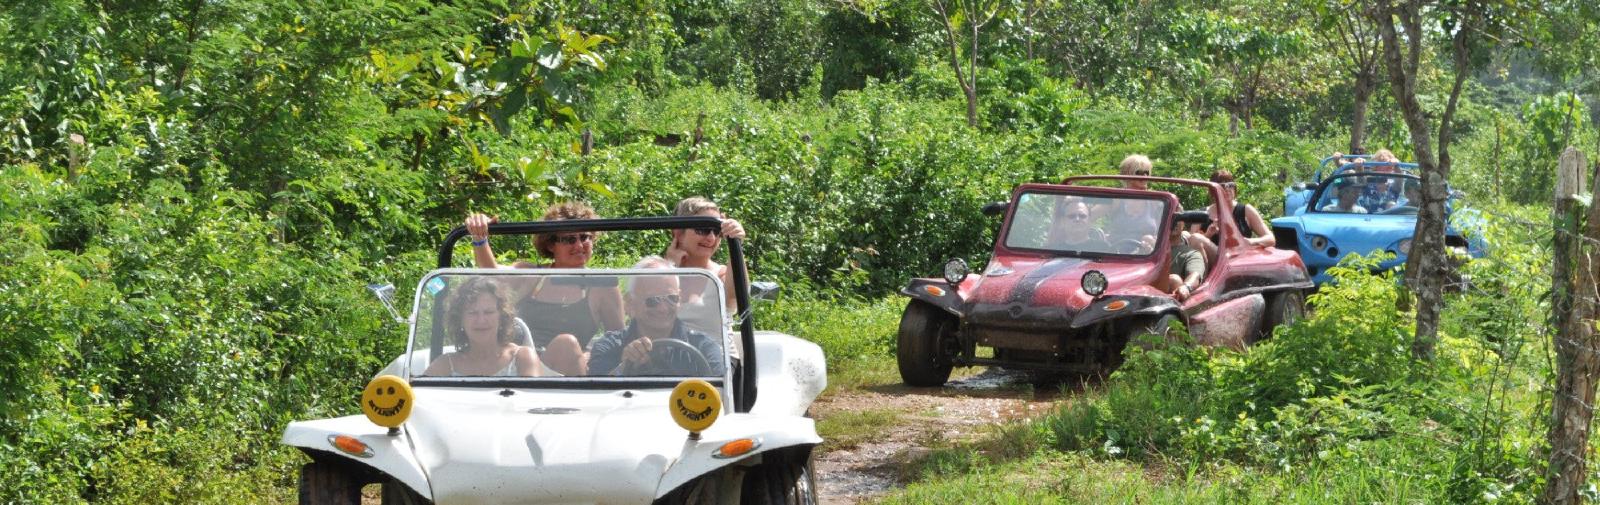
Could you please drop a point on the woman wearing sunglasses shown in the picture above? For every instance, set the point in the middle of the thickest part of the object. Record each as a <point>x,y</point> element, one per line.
<point>694,249</point>
<point>562,318</point>
<point>1245,216</point>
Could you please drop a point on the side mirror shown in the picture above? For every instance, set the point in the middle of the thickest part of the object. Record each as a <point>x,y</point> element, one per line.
<point>385,294</point>
<point>996,208</point>
<point>764,290</point>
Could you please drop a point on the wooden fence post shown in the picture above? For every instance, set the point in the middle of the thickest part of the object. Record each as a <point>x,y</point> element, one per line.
<point>1577,355</point>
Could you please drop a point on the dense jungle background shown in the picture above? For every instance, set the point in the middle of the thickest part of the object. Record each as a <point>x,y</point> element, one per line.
<point>193,194</point>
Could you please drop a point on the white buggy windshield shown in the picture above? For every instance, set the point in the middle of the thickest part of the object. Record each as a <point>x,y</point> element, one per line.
<point>545,323</point>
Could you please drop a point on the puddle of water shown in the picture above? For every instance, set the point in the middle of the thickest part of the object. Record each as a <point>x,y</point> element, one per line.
<point>993,378</point>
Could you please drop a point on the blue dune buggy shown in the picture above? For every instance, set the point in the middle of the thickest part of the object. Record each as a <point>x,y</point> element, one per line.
<point>1361,208</point>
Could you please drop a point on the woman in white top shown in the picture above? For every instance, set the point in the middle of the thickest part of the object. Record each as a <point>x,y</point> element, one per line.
<point>482,328</point>
<point>694,249</point>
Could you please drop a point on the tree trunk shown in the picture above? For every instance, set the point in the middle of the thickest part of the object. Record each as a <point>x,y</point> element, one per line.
<point>1577,352</point>
<point>972,105</point>
<point>1498,196</point>
<point>1358,121</point>
<point>967,80</point>
<point>1426,267</point>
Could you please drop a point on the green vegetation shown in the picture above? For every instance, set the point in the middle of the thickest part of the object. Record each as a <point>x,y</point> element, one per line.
<point>193,194</point>
<point>1331,410</point>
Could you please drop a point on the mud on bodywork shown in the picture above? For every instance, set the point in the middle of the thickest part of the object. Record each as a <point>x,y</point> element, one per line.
<point>1091,349</point>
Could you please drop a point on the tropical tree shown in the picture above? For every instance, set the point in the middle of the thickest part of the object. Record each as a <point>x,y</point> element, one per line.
<point>1246,54</point>
<point>1472,25</point>
<point>1347,32</point>
<point>961,23</point>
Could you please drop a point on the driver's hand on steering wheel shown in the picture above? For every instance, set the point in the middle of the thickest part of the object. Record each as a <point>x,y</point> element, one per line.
<point>636,353</point>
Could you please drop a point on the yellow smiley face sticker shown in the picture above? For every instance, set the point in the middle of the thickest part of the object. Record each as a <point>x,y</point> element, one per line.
<point>387,401</point>
<point>695,405</point>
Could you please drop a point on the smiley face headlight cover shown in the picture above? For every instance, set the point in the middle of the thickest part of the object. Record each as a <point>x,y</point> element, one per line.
<point>695,405</point>
<point>387,401</point>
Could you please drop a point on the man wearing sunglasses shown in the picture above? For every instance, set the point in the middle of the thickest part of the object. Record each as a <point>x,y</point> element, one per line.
<point>1072,231</point>
<point>651,303</point>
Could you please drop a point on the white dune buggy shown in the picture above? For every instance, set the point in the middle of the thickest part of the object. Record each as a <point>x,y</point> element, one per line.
<point>683,424</point>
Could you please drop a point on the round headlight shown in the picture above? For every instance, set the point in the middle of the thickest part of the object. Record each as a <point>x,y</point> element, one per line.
<point>1093,282</point>
<point>955,271</point>
<point>1319,242</point>
<point>1404,247</point>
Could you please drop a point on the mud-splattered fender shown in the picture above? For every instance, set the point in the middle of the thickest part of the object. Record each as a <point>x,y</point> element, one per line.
<point>1118,306</point>
<point>935,292</point>
<point>791,373</point>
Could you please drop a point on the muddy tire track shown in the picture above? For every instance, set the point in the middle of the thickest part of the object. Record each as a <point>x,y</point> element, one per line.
<point>962,410</point>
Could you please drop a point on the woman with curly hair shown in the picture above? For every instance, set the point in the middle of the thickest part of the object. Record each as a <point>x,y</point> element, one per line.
<point>483,331</point>
<point>562,318</point>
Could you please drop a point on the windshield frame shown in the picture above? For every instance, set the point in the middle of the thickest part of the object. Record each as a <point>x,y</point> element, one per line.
<point>1164,198</point>
<point>595,382</point>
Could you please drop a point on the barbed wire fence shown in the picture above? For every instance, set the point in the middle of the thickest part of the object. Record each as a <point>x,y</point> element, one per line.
<point>1573,296</point>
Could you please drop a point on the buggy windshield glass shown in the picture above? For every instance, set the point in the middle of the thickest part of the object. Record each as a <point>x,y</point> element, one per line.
<point>544,323</point>
<point>1085,224</point>
<point>1369,193</point>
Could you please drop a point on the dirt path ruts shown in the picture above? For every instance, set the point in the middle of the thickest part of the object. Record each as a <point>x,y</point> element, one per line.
<point>959,411</point>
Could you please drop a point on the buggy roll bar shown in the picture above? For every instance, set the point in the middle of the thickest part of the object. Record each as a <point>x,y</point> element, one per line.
<point>745,381</point>
<point>1348,159</point>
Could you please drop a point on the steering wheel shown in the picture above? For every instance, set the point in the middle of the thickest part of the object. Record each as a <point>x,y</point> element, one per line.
<point>1402,209</point>
<point>671,357</point>
<point>1128,246</point>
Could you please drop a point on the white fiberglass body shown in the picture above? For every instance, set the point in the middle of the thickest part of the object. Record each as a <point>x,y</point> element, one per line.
<point>605,436</point>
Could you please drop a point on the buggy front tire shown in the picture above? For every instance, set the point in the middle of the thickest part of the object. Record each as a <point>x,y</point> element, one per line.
<point>395,493</point>
<point>1156,334</point>
<point>328,484</point>
<point>921,350</point>
<point>1283,308</point>
<point>784,477</point>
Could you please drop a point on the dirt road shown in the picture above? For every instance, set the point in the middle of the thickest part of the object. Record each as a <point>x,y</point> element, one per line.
<point>870,461</point>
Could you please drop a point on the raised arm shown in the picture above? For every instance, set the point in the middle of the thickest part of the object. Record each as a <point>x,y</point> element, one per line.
<point>731,229</point>
<point>478,230</point>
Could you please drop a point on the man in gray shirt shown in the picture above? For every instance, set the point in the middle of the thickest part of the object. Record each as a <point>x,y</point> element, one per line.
<point>1185,268</point>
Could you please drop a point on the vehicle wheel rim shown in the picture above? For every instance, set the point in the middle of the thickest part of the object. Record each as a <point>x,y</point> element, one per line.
<point>807,494</point>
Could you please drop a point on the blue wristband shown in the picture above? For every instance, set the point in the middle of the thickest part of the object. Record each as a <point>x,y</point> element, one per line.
<point>477,243</point>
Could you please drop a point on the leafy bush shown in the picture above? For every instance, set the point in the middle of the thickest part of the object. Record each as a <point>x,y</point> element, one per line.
<point>1320,382</point>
